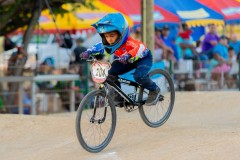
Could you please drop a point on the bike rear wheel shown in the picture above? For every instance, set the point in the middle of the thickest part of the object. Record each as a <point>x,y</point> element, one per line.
<point>157,115</point>
<point>95,121</point>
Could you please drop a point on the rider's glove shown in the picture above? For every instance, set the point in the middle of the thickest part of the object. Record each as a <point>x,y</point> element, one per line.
<point>124,59</point>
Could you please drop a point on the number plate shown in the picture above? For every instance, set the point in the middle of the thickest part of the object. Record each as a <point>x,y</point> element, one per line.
<point>99,71</point>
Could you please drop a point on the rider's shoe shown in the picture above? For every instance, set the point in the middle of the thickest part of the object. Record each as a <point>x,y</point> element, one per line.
<point>153,97</point>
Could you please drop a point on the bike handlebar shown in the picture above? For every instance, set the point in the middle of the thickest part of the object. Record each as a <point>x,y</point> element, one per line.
<point>92,58</point>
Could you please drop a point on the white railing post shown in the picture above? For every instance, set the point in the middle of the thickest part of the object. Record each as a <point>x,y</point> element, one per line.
<point>20,98</point>
<point>33,92</point>
<point>72,98</point>
<point>55,102</point>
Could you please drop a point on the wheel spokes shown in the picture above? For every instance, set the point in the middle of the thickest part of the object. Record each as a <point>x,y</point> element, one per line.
<point>96,122</point>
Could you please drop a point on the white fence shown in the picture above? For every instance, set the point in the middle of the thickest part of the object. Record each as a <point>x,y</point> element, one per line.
<point>40,78</point>
<point>189,71</point>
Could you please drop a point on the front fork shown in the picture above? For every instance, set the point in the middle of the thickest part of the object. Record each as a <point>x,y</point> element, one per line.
<point>98,104</point>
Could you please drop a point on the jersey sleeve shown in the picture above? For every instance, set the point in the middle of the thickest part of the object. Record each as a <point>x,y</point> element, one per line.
<point>137,50</point>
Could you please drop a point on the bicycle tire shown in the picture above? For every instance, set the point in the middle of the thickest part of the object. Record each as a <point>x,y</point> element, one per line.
<point>163,75</point>
<point>81,110</point>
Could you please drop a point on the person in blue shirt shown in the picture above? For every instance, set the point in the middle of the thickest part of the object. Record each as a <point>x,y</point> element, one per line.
<point>234,43</point>
<point>219,63</point>
<point>169,41</point>
<point>220,51</point>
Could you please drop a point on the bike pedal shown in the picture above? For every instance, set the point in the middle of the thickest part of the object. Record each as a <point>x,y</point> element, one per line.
<point>130,109</point>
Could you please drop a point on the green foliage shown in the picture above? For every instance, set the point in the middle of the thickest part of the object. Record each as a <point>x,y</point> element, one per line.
<point>18,14</point>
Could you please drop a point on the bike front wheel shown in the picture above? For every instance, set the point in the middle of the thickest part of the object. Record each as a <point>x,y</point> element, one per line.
<point>157,115</point>
<point>95,121</point>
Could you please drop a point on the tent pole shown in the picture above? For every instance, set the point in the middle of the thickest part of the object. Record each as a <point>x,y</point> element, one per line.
<point>148,23</point>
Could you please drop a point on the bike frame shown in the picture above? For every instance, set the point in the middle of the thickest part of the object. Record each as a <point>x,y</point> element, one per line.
<point>124,95</point>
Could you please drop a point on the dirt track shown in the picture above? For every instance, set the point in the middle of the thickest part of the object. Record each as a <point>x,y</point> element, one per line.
<point>202,126</point>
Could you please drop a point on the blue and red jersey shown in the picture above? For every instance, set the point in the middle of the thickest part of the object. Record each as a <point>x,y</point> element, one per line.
<point>135,48</point>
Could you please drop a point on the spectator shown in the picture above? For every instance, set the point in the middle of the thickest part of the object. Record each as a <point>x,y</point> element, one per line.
<point>170,42</point>
<point>232,61</point>
<point>66,40</point>
<point>27,102</point>
<point>200,56</point>
<point>234,43</point>
<point>14,60</point>
<point>46,67</point>
<point>231,55</point>
<point>64,90</point>
<point>8,43</point>
<point>185,34</point>
<point>187,42</point>
<point>158,51</point>
<point>210,41</point>
<point>162,51</point>
<point>198,46</point>
<point>78,50</point>
<point>219,63</point>
<point>137,34</point>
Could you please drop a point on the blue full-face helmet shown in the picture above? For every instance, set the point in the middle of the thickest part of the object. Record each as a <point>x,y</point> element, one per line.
<point>112,22</point>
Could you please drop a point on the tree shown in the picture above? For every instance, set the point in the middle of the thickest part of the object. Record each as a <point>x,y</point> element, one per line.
<point>20,13</point>
<point>14,11</point>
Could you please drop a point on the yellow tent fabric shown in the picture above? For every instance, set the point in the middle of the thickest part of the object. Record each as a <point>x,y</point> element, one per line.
<point>200,22</point>
<point>79,19</point>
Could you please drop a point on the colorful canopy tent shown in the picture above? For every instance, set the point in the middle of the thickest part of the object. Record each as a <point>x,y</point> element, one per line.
<point>230,9</point>
<point>132,8</point>
<point>191,12</point>
<point>79,19</point>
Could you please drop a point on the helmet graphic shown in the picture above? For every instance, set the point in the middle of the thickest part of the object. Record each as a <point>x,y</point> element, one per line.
<point>112,22</point>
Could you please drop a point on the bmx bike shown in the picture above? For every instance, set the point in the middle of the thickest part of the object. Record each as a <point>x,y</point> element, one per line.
<point>96,114</point>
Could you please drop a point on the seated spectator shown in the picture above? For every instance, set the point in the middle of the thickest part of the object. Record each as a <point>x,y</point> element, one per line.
<point>199,46</point>
<point>210,41</point>
<point>231,55</point>
<point>158,51</point>
<point>219,63</point>
<point>169,41</point>
<point>232,61</point>
<point>202,58</point>
<point>234,43</point>
<point>162,51</point>
<point>187,42</point>
<point>137,33</point>
<point>27,102</point>
<point>46,67</point>
<point>186,53</point>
